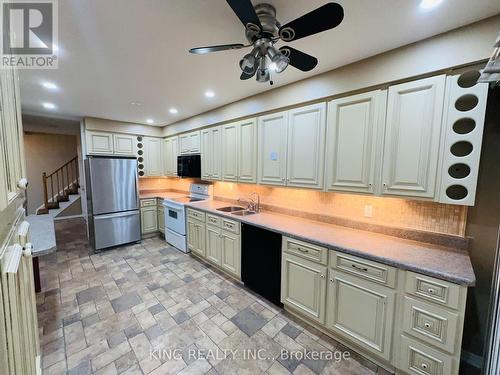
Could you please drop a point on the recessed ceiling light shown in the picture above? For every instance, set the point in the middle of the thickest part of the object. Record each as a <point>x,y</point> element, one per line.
<point>136,104</point>
<point>150,121</point>
<point>429,4</point>
<point>49,106</point>
<point>49,85</point>
<point>209,94</point>
<point>173,111</point>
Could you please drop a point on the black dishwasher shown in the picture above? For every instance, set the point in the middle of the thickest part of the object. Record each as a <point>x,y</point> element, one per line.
<point>261,262</point>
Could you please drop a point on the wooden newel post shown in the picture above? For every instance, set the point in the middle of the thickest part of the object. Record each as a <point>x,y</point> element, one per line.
<point>45,194</point>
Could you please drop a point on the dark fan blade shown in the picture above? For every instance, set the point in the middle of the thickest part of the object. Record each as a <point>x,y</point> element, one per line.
<point>324,18</point>
<point>245,76</point>
<point>222,47</point>
<point>245,12</point>
<point>298,59</point>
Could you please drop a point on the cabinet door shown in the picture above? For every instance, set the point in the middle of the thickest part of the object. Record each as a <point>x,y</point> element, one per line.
<point>192,235</point>
<point>161,218</point>
<point>412,137</point>
<point>303,286</point>
<point>247,153</point>
<point>306,146</point>
<point>99,143</point>
<point>351,142</point>
<point>199,246</point>
<point>231,253</point>
<point>184,144</point>
<point>152,151</point>
<point>362,312</point>
<point>216,143</point>
<point>213,244</point>
<point>124,144</point>
<point>149,220</point>
<point>230,152</point>
<point>172,156</point>
<point>206,154</point>
<point>272,149</point>
<point>194,142</point>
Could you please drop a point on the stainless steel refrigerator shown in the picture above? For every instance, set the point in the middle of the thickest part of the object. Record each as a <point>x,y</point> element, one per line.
<point>113,201</point>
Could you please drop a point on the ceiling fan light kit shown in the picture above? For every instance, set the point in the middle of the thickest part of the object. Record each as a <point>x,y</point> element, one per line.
<point>262,30</point>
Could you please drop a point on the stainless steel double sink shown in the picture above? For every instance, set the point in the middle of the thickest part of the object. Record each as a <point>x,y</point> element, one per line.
<point>236,210</point>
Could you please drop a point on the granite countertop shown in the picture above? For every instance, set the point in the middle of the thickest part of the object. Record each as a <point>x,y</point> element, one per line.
<point>428,259</point>
<point>146,194</point>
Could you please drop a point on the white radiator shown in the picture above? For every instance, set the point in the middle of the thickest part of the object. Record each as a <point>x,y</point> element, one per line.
<point>19,343</point>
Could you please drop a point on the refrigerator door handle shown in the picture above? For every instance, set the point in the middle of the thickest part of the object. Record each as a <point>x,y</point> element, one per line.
<point>118,214</point>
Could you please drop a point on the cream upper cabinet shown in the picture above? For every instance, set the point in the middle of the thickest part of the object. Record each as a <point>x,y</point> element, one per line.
<point>272,131</point>
<point>124,144</point>
<point>247,151</point>
<point>412,137</point>
<point>306,146</point>
<point>99,143</point>
<point>190,143</point>
<point>303,286</point>
<point>170,156</point>
<point>353,134</point>
<point>211,153</point>
<point>153,156</point>
<point>362,312</point>
<point>230,152</point>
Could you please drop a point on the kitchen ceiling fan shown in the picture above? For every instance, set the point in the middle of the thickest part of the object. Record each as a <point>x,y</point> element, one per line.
<point>262,30</point>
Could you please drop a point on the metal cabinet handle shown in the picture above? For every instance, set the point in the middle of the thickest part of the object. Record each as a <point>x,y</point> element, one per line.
<point>359,268</point>
<point>322,276</point>
<point>302,250</point>
<point>427,325</point>
<point>424,366</point>
<point>332,280</point>
<point>430,290</point>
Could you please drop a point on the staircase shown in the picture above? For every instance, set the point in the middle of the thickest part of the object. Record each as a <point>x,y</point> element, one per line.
<point>61,183</point>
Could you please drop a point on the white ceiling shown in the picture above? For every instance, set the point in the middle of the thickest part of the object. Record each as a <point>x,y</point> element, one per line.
<point>116,51</point>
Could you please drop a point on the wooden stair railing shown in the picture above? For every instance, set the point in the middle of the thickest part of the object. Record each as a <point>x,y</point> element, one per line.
<point>61,183</point>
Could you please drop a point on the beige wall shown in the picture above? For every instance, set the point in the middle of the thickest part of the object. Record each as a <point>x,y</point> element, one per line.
<point>394,212</point>
<point>45,153</point>
<point>459,47</point>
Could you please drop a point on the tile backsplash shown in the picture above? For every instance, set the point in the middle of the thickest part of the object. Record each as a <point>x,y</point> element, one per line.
<point>393,212</point>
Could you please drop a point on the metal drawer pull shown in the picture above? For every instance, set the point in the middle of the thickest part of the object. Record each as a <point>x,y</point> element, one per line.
<point>430,290</point>
<point>359,268</point>
<point>322,276</point>
<point>302,250</point>
<point>427,325</point>
<point>424,366</point>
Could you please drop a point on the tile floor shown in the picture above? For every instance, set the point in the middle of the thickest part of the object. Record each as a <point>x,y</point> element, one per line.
<point>149,309</point>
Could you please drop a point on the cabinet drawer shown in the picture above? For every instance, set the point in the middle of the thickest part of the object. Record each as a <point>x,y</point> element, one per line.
<point>198,215</point>
<point>419,359</point>
<point>434,290</point>
<point>231,226</point>
<point>214,220</point>
<point>148,202</point>
<point>431,324</point>
<point>369,270</point>
<point>305,250</point>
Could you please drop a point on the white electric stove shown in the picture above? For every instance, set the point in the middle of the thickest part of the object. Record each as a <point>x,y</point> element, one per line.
<point>175,214</point>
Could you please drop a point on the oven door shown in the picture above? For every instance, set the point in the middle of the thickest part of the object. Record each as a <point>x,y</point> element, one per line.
<point>175,218</point>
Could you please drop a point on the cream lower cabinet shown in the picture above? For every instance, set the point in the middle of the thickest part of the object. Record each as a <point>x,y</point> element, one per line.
<point>196,237</point>
<point>221,241</point>
<point>160,211</point>
<point>412,137</point>
<point>149,220</point>
<point>361,311</point>
<point>303,286</point>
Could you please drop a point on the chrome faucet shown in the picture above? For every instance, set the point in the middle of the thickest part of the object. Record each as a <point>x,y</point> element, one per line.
<point>252,205</point>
